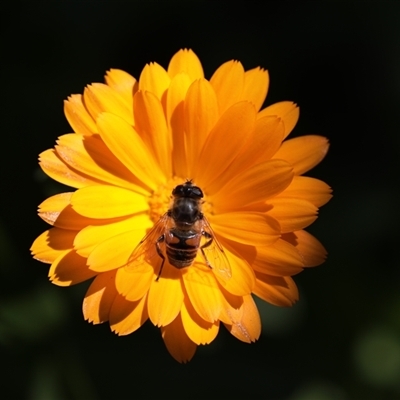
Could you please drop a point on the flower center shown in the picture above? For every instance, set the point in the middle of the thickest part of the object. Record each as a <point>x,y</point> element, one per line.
<point>160,201</point>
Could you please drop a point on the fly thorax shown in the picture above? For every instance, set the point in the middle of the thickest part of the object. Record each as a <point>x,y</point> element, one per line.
<point>185,211</point>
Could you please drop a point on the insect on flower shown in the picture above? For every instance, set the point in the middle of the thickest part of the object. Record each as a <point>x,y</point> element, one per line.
<point>180,233</point>
<point>134,143</point>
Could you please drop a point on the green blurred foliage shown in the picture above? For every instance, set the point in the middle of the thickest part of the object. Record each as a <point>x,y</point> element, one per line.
<point>340,62</point>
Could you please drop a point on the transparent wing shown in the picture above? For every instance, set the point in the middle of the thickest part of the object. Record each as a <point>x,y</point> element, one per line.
<point>146,250</point>
<point>214,254</point>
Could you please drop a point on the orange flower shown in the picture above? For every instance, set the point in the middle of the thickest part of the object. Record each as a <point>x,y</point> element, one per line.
<point>133,142</point>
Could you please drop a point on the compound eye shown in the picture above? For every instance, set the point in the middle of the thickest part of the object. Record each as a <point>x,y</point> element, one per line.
<point>188,190</point>
<point>196,192</point>
<point>179,191</point>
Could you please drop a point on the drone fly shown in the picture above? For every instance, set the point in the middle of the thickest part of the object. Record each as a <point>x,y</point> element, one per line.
<point>180,233</point>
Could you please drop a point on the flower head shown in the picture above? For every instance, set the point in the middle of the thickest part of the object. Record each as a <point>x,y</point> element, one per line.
<point>134,141</point>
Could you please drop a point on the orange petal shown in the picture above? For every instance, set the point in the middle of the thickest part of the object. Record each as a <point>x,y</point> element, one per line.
<point>203,292</point>
<point>277,290</point>
<point>50,209</point>
<point>126,144</point>
<point>242,278</point>
<point>52,244</point>
<point>90,236</point>
<point>102,201</point>
<point>201,114</point>
<point>150,123</point>
<point>57,211</point>
<point>186,61</point>
<point>78,116</point>
<point>177,341</point>
<point>134,284</point>
<point>53,166</point>
<point>311,249</point>
<point>89,156</point>
<point>155,79</point>
<point>99,298</point>
<point>246,323</point>
<point>292,214</point>
<point>101,98</point>
<point>127,316</point>
<point>69,269</point>
<point>165,296</point>
<point>224,143</point>
<point>255,229</point>
<point>124,84</point>
<point>198,330</point>
<point>228,83</point>
<point>176,123</point>
<point>287,111</point>
<point>231,305</point>
<point>313,190</point>
<point>102,259</point>
<point>264,142</point>
<point>279,259</point>
<point>253,185</point>
<point>303,152</point>
<point>256,83</point>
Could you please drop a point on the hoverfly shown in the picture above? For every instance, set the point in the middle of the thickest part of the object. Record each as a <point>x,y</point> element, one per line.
<point>180,233</point>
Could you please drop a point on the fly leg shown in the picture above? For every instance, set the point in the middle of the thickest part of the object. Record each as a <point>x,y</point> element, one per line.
<point>206,244</point>
<point>160,253</point>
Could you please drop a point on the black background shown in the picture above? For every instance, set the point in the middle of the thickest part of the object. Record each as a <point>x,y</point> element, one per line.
<point>340,61</point>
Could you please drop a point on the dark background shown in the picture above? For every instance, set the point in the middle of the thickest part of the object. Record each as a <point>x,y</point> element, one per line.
<point>340,61</point>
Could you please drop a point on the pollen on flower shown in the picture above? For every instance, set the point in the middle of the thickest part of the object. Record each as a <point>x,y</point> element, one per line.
<point>207,206</point>
<point>160,199</point>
